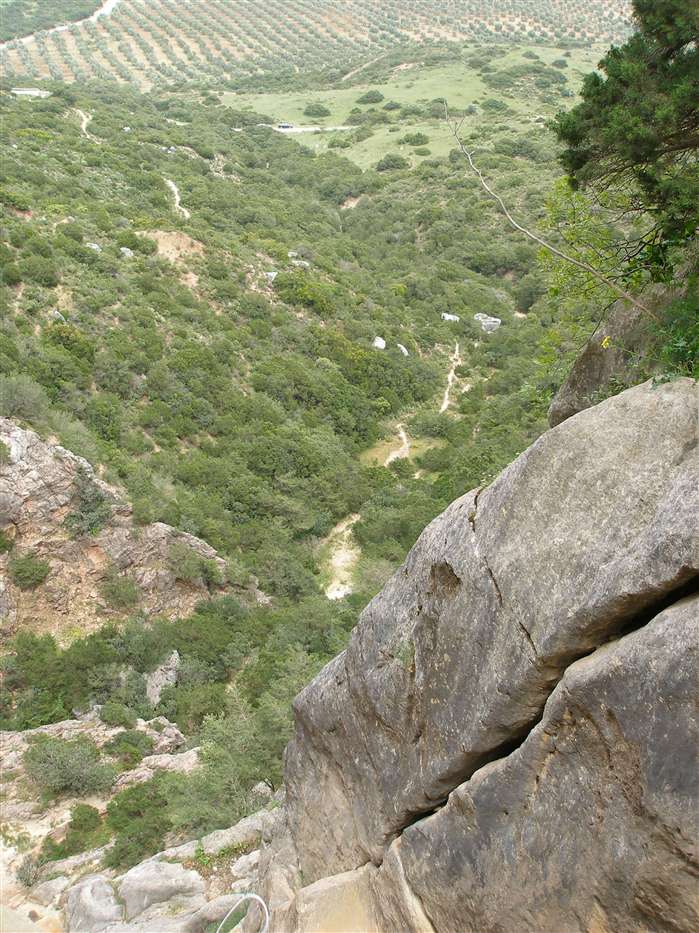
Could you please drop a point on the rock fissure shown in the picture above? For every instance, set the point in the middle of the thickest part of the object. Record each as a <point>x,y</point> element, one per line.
<point>513,744</point>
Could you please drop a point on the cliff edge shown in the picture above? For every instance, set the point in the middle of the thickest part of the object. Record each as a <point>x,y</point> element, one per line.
<point>510,739</point>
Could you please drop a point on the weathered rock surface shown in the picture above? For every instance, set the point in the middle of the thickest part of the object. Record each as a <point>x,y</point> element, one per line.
<point>153,882</point>
<point>592,526</point>
<point>92,905</point>
<point>165,675</point>
<point>615,354</point>
<point>583,822</point>
<point>183,763</point>
<point>592,824</point>
<point>37,493</point>
<point>48,892</point>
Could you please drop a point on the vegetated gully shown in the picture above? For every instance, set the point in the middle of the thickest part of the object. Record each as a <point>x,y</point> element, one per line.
<point>343,553</point>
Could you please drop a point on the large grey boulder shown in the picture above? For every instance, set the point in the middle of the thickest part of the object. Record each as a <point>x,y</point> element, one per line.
<point>48,892</point>
<point>91,905</point>
<point>153,882</point>
<point>591,529</point>
<point>591,824</point>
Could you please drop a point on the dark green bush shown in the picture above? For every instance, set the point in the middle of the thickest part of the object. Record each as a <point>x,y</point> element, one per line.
<point>316,110</point>
<point>138,817</point>
<point>92,507</point>
<point>129,747</point>
<point>121,592</point>
<point>116,714</point>
<point>371,97</point>
<point>391,162</point>
<point>28,571</point>
<point>86,830</point>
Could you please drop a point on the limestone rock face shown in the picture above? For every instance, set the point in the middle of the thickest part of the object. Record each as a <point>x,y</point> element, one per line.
<point>154,882</point>
<point>592,823</point>
<point>165,675</point>
<point>510,740</point>
<point>92,905</point>
<point>452,662</point>
<point>38,492</point>
<point>611,355</point>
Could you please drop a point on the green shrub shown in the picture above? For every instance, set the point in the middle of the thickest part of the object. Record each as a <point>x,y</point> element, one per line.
<point>129,747</point>
<point>92,510</point>
<point>4,453</point>
<point>371,97</point>
<point>116,714</point>
<point>6,542</point>
<point>138,816</point>
<point>120,592</point>
<point>190,567</point>
<point>58,766</point>
<point>21,397</point>
<point>316,110</point>
<point>414,139</point>
<point>28,571</point>
<point>391,162</point>
<point>11,274</point>
<point>29,870</point>
<point>86,830</point>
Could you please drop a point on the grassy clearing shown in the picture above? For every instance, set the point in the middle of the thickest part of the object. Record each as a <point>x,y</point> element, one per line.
<point>411,84</point>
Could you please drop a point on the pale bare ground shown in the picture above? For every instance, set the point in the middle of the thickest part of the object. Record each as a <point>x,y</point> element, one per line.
<point>85,119</point>
<point>343,557</point>
<point>455,362</point>
<point>402,452</point>
<point>349,203</point>
<point>174,245</point>
<point>355,71</point>
<point>176,195</point>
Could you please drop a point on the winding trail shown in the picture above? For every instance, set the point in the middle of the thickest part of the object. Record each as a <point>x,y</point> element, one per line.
<point>344,555</point>
<point>85,118</point>
<point>402,452</point>
<point>176,195</point>
<point>355,71</point>
<point>455,361</point>
<point>343,551</point>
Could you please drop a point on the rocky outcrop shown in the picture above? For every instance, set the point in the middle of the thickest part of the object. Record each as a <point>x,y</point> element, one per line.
<point>154,882</point>
<point>507,741</point>
<point>183,889</point>
<point>165,675</point>
<point>617,355</point>
<point>39,490</point>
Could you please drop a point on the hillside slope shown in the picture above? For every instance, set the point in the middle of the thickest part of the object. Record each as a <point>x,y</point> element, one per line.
<point>78,533</point>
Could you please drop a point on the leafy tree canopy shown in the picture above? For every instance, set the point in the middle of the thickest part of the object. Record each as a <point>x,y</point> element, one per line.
<point>638,124</point>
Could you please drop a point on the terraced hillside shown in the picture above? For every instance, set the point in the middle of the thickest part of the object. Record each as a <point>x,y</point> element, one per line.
<point>151,41</point>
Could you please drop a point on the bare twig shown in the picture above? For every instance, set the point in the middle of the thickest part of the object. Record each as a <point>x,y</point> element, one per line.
<point>455,129</point>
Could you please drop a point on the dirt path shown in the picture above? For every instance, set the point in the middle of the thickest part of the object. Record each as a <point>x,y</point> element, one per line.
<point>176,195</point>
<point>84,120</point>
<point>344,555</point>
<point>402,452</point>
<point>351,74</point>
<point>455,362</point>
<point>291,130</point>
